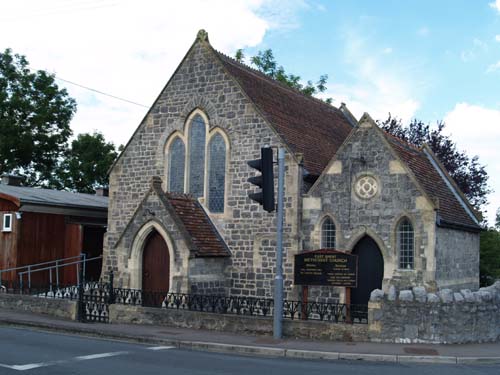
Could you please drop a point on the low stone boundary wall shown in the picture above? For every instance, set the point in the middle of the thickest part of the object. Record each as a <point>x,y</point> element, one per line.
<point>60,308</point>
<point>250,325</point>
<point>415,316</point>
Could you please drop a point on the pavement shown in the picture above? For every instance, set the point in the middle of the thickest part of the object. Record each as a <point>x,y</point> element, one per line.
<point>262,346</point>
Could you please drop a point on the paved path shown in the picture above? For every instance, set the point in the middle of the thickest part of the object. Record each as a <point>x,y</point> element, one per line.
<point>33,352</point>
<point>262,346</point>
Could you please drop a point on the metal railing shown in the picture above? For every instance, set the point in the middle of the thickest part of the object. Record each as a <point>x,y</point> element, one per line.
<point>250,306</point>
<point>53,267</point>
<point>83,261</point>
<point>32,267</point>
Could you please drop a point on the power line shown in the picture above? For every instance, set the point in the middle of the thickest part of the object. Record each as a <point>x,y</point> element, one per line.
<point>100,92</point>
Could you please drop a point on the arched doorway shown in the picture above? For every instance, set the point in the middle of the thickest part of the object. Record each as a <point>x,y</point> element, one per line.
<point>370,270</point>
<point>155,267</point>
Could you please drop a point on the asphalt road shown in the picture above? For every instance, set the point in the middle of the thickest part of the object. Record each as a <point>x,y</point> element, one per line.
<point>33,352</point>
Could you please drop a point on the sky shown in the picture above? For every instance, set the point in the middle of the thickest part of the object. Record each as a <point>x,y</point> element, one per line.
<point>425,59</point>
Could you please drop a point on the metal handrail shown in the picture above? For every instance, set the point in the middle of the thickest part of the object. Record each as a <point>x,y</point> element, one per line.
<point>57,266</point>
<point>39,264</point>
<point>30,266</point>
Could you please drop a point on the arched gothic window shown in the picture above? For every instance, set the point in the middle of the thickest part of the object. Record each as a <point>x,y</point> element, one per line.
<point>328,234</point>
<point>177,156</point>
<point>216,173</point>
<point>406,244</point>
<point>186,165</point>
<point>197,136</point>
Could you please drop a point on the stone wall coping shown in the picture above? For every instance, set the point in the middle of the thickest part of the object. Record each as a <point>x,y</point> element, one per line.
<point>419,294</point>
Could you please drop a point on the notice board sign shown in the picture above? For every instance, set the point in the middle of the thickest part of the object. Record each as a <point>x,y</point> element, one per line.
<point>327,268</point>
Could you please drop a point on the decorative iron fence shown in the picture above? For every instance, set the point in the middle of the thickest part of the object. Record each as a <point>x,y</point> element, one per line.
<point>46,291</point>
<point>94,300</point>
<point>250,306</point>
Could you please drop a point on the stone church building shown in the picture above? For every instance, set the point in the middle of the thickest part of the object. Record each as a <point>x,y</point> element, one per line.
<point>180,218</point>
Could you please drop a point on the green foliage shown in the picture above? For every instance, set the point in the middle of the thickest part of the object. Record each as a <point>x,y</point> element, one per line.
<point>239,56</point>
<point>87,163</point>
<point>490,257</point>
<point>497,219</point>
<point>34,121</point>
<point>470,176</point>
<point>265,62</point>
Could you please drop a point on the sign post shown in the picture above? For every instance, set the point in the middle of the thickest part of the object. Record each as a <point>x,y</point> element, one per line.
<point>278,283</point>
<point>326,268</point>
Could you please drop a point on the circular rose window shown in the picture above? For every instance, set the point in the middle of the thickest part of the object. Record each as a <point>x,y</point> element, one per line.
<point>366,187</point>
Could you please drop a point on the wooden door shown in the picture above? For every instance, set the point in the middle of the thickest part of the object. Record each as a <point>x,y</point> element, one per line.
<point>370,270</point>
<point>155,269</point>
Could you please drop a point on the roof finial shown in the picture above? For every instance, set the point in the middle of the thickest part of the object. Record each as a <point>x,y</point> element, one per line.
<point>202,35</point>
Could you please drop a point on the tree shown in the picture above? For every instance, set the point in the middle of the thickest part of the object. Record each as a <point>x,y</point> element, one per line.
<point>87,162</point>
<point>34,120</point>
<point>497,219</point>
<point>265,62</point>
<point>470,176</point>
<point>489,266</point>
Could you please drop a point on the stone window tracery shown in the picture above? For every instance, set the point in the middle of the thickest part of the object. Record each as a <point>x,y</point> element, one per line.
<point>186,170</point>
<point>366,187</point>
<point>328,233</point>
<point>216,173</point>
<point>176,166</point>
<point>406,244</point>
<point>197,137</point>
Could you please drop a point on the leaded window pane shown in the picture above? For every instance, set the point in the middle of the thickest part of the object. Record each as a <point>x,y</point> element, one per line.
<point>216,173</point>
<point>328,234</point>
<point>406,244</point>
<point>197,135</point>
<point>177,157</point>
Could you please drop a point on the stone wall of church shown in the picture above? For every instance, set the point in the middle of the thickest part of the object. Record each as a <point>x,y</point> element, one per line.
<point>201,82</point>
<point>366,153</point>
<point>457,259</point>
<point>209,276</point>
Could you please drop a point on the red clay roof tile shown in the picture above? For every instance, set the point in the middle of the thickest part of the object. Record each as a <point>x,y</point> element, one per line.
<point>203,234</point>
<point>308,125</point>
<point>450,209</point>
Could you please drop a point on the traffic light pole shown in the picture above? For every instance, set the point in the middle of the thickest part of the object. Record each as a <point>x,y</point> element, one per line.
<point>278,282</point>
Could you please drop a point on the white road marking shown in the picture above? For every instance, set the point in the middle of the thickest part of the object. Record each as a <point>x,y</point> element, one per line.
<point>31,366</point>
<point>100,355</point>
<point>161,347</point>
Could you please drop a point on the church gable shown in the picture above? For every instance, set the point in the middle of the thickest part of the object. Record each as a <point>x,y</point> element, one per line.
<point>197,138</point>
<point>200,86</point>
<point>367,190</point>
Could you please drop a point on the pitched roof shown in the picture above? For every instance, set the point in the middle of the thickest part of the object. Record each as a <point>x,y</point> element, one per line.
<point>203,233</point>
<point>449,207</point>
<point>48,197</point>
<point>309,126</point>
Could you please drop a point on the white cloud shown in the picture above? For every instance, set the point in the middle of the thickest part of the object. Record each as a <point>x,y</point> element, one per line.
<point>497,38</point>
<point>387,50</point>
<point>476,129</point>
<point>496,5</point>
<point>493,67</point>
<point>128,48</point>
<point>478,46</point>
<point>379,86</point>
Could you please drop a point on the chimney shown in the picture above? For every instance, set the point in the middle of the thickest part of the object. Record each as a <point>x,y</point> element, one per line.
<point>102,192</point>
<point>12,179</point>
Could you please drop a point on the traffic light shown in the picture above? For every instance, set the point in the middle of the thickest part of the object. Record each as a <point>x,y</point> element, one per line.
<point>265,181</point>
